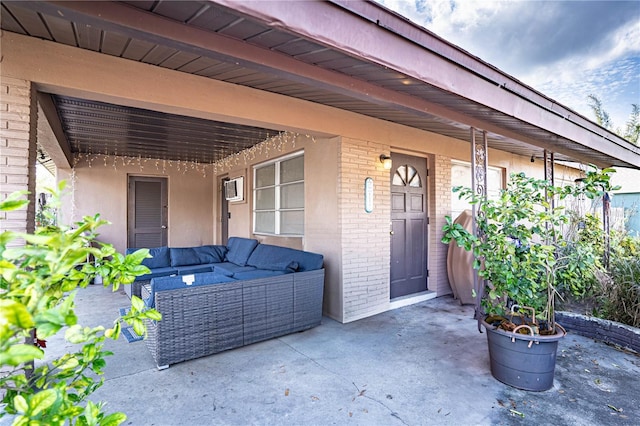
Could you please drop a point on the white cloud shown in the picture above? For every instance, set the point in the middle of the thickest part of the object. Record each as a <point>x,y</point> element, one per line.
<point>565,49</point>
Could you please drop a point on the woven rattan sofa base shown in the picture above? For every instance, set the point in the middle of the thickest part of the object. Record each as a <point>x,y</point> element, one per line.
<point>204,320</point>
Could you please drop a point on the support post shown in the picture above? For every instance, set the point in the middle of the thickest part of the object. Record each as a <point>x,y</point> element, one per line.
<point>549,173</point>
<point>479,165</point>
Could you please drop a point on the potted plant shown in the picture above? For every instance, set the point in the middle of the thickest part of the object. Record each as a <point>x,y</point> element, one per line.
<point>515,252</point>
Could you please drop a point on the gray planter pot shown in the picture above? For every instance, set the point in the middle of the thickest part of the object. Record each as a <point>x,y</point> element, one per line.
<point>522,361</point>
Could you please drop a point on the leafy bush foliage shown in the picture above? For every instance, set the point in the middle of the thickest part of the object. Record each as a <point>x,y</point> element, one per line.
<point>521,250</point>
<point>580,258</point>
<point>621,289</point>
<point>38,283</point>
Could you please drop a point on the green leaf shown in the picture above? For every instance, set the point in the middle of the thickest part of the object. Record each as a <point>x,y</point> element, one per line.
<point>114,419</point>
<point>20,404</point>
<point>137,304</point>
<point>14,313</point>
<point>13,201</point>
<point>152,314</point>
<point>139,327</point>
<point>69,364</point>
<point>42,400</point>
<point>19,354</point>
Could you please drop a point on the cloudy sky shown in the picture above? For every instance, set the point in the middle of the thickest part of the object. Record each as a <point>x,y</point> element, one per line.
<point>564,49</point>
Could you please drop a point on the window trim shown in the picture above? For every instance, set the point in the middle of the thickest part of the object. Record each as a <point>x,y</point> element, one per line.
<point>277,200</point>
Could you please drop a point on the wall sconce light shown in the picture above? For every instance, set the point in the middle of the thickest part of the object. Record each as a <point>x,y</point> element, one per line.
<point>533,158</point>
<point>386,161</point>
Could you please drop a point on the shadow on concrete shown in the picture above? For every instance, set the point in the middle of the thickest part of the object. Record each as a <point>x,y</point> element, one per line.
<point>417,365</point>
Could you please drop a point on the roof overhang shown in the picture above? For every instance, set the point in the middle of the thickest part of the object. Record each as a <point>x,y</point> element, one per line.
<point>378,64</point>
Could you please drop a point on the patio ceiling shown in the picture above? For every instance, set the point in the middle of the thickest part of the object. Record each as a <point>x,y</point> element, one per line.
<point>102,128</point>
<point>238,43</point>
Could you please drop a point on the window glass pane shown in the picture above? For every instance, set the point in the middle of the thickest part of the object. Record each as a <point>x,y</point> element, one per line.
<point>292,223</point>
<point>414,178</point>
<point>265,199</point>
<point>292,170</point>
<point>266,176</point>
<point>266,222</point>
<point>399,176</point>
<point>292,196</point>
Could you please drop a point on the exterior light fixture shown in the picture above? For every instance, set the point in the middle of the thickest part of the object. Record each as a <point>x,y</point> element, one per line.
<point>386,161</point>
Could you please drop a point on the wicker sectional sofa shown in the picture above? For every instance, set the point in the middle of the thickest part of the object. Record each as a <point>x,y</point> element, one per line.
<point>254,292</point>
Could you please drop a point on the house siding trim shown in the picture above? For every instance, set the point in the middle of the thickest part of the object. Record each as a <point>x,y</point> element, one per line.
<point>18,130</point>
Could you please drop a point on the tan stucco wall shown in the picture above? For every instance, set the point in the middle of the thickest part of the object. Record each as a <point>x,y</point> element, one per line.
<point>102,188</point>
<point>355,244</point>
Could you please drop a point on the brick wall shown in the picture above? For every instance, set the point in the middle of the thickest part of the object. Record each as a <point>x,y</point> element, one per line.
<point>440,206</point>
<point>364,236</point>
<point>18,112</point>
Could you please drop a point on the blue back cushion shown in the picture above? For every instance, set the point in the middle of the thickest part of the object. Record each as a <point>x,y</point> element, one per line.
<point>285,259</point>
<point>240,249</point>
<point>160,257</point>
<point>178,282</point>
<point>211,254</point>
<point>184,256</point>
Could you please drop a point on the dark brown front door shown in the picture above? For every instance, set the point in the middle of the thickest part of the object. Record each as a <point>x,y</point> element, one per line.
<point>408,225</point>
<point>147,212</point>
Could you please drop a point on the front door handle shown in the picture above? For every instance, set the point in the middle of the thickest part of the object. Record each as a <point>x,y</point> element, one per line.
<point>164,227</point>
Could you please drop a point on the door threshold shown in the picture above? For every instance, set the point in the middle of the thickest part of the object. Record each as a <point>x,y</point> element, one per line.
<point>411,299</point>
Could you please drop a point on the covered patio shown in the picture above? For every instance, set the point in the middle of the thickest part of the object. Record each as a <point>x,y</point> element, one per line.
<point>189,92</point>
<point>391,369</point>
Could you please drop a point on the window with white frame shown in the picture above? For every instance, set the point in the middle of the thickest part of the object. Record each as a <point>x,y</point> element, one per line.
<point>461,176</point>
<point>278,196</point>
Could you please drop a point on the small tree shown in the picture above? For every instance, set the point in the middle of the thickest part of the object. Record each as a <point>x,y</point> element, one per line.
<point>631,131</point>
<point>38,284</point>
<point>519,241</point>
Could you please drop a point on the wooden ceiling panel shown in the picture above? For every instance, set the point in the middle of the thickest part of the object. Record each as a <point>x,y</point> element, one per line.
<point>9,23</point>
<point>30,21</point>
<point>213,19</point>
<point>88,36</point>
<point>114,43</point>
<point>178,60</point>
<point>61,30</point>
<point>137,49</point>
<point>158,54</point>
<point>178,10</point>
<point>270,39</point>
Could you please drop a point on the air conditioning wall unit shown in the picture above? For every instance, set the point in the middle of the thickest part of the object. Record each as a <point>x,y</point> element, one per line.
<point>234,189</point>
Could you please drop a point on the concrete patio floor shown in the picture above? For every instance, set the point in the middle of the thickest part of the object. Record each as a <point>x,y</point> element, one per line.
<point>424,364</point>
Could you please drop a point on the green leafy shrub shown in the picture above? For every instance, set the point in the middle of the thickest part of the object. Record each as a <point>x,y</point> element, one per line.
<point>520,239</point>
<point>38,283</point>
<point>621,289</point>
<point>580,258</point>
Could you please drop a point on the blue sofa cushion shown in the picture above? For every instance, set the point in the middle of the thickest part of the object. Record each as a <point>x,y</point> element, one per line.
<point>211,253</point>
<point>178,282</point>
<point>158,272</point>
<point>228,268</point>
<point>183,256</point>
<point>256,274</point>
<point>240,249</point>
<point>160,257</point>
<point>286,259</point>
<point>194,269</point>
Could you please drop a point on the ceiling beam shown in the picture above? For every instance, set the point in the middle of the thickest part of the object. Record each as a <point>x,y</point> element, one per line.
<point>58,147</point>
